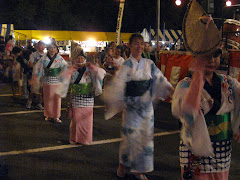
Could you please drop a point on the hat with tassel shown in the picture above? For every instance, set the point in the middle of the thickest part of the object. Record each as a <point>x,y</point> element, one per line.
<point>200,34</point>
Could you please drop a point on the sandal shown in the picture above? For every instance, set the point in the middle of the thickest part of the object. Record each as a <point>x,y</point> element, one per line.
<point>140,176</point>
<point>47,118</point>
<point>121,172</point>
<point>57,120</point>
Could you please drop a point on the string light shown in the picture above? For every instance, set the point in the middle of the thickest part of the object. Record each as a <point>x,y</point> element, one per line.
<point>228,3</point>
<point>178,2</point>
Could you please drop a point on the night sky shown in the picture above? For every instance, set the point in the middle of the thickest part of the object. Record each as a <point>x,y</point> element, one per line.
<point>94,15</point>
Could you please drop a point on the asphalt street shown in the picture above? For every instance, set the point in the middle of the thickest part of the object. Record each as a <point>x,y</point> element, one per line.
<point>35,149</point>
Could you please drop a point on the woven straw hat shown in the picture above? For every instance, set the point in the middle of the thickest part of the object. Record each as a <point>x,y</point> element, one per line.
<point>200,34</point>
<point>76,50</point>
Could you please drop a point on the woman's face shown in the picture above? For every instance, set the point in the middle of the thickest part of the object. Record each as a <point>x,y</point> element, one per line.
<point>213,63</point>
<point>41,47</point>
<point>118,52</point>
<point>52,50</point>
<point>80,61</point>
<point>137,47</point>
<point>109,59</point>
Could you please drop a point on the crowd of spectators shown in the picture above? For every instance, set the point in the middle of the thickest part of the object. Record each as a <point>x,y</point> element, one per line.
<point>7,58</point>
<point>15,66</point>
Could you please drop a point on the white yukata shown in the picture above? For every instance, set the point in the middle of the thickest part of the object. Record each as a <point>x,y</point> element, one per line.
<point>34,57</point>
<point>119,61</point>
<point>136,148</point>
<point>82,102</point>
<point>211,140</point>
<point>88,77</point>
<point>51,82</point>
<point>59,62</point>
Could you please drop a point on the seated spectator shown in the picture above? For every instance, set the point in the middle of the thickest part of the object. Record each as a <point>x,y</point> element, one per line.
<point>107,52</point>
<point>118,58</point>
<point>9,46</point>
<point>30,47</point>
<point>147,54</point>
<point>24,72</point>
<point>112,45</point>
<point>2,44</point>
<point>126,52</point>
<point>110,67</point>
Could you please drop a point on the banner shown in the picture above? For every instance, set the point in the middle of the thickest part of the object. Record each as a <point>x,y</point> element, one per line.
<point>119,21</point>
<point>175,65</point>
<point>234,64</point>
<point>62,43</point>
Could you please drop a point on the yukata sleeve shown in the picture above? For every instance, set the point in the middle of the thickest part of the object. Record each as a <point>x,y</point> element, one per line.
<point>162,88</point>
<point>194,131</point>
<point>38,72</point>
<point>114,93</point>
<point>65,82</point>
<point>64,67</point>
<point>31,60</point>
<point>38,68</point>
<point>236,110</point>
<point>97,78</point>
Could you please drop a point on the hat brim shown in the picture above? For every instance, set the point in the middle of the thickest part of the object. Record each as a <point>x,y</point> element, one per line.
<point>198,38</point>
<point>76,50</point>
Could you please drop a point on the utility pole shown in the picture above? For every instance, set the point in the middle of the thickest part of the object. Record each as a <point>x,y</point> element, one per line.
<point>119,21</point>
<point>158,20</point>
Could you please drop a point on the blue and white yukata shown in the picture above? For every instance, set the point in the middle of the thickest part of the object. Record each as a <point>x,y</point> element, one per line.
<point>208,134</point>
<point>132,91</point>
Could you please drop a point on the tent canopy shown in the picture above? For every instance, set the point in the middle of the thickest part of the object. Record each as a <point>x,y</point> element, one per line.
<point>164,35</point>
<point>70,35</point>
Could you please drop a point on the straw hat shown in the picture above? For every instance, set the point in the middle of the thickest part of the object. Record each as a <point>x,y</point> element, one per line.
<point>76,50</point>
<point>200,34</point>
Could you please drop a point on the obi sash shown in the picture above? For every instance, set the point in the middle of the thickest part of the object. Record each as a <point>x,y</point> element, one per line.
<point>81,89</point>
<point>52,71</point>
<point>137,88</point>
<point>219,126</point>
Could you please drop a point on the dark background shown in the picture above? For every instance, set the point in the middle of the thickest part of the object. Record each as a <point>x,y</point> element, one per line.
<point>98,15</point>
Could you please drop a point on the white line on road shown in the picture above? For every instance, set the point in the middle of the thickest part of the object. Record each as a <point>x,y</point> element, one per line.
<point>3,95</point>
<point>44,149</point>
<point>35,111</point>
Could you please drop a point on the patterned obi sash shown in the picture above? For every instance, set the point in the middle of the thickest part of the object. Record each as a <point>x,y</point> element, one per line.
<point>81,89</point>
<point>137,88</point>
<point>52,71</point>
<point>219,126</point>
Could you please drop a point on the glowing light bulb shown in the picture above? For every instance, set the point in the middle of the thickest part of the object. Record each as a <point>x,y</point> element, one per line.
<point>178,2</point>
<point>228,3</point>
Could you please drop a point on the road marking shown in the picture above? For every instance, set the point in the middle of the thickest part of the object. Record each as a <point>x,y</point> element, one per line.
<point>35,111</point>
<point>61,147</point>
<point>20,112</point>
<point>3,95</point>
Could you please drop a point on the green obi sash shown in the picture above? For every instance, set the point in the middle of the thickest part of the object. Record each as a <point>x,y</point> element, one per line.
<point>137,88</point>
<point>219,127</point>
<point>81,89</point>
<point>52,71</point>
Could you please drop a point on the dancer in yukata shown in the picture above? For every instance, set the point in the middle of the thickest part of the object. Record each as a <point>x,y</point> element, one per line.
<point>50,66</point>
<point>34,58</point>
<point>132,90</point>
<point>85,79</point>
<point>207,103</point>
